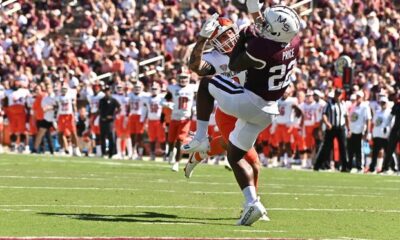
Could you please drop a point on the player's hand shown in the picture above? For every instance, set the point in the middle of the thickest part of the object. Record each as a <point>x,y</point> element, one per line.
<point>209,26</point>
<point>253,6</point>
<point>329,126</point>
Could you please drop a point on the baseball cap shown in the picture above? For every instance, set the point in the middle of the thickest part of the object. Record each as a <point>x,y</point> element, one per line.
<point>318,93</point>
<point>353,97</point>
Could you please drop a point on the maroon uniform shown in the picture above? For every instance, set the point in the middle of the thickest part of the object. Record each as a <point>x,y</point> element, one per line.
<point>270,81</point>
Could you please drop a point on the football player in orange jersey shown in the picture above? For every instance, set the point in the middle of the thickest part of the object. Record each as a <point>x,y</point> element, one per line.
<point>66,108</point>
<point>16,103</point>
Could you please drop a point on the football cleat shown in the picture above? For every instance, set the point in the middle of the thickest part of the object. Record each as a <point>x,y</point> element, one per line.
<point>197,145</point>
<point>252,212</point>
<point>175,167</point>
<point>265,218</point>
<point>192,163</point>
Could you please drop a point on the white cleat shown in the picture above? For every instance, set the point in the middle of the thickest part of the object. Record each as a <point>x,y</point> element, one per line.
<point>175,167</point>
<point>77,152</point>
<point>191,164</point>
<point>197,145</point>
<point>265,218</point>
<point>172,156</point>
<point>252,213</point>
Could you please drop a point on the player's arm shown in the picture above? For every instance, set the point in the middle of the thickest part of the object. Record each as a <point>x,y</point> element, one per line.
<point>196,63</point>
<point>240,59</point>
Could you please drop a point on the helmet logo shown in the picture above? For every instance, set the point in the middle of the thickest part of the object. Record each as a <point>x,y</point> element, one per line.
<point>285,25</point>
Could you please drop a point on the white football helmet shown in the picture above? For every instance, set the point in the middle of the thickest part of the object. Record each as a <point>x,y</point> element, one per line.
<point>281,24</point>
<point>138,87</point>
<point>222,39</point>
<point>183,77</point>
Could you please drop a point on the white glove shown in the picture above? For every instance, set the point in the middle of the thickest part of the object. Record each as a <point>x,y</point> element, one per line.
<point>209,26</point>
<point>253,6</point>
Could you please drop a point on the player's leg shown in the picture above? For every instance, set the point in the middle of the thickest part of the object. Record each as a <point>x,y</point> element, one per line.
<point>204,106</point>
<point>241,140</point>
<point>172,137</point>
<point>183,132</point>
<point>39,137</point>
<point>139,139</point>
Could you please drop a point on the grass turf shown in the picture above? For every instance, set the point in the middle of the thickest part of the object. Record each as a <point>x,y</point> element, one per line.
<point>75,197</point>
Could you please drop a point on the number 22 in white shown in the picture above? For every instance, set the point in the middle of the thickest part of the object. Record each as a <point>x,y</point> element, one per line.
<point>281,78</point>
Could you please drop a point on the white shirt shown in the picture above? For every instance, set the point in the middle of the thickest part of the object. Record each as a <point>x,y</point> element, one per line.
<point>285,110</point>
<point>65,104</point>
<point>154,107</point>
<point>309,113</point>
<point>46,102</point>
<point>380,119</point>
<point>17,97</point>
<point>358,118</point>
<point>94,102</point>
<point>220,62</point>
<point>183,98</point>
<point>319,109</point>
<point>123,102</point>
<point>136,103</point>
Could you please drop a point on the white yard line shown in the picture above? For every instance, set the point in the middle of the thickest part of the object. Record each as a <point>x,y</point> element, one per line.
<point>6,207</point>
<point>168,181</point>
<point>191,192</point>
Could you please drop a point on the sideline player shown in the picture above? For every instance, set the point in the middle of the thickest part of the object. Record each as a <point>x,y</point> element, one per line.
<point>182,95</point>
<point>136,121</point>
<point>17,114</point>
<point>154,105</point>
<point>122,124</point>
<point>270,55</point>
<point>94,102</point>
<point>66,105</point>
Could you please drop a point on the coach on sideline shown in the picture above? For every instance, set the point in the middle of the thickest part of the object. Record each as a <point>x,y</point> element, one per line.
<point>335,119</point>
<point>108,107</point>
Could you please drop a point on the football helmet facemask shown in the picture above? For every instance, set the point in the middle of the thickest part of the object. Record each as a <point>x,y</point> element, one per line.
<point>225,36</point>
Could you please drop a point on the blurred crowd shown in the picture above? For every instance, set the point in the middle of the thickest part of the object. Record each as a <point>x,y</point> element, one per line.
<point>71,43</point>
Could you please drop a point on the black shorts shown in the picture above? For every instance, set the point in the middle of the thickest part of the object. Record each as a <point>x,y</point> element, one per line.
<point>44,124</point>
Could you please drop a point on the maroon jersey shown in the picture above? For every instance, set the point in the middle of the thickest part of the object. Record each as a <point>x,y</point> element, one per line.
<point>271,80</point>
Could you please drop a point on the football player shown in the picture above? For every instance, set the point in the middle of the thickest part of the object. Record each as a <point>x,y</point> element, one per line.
<point>17,114</point>
<point>66,109</point>
<point>284,127</point>
<point>182,95</point>
<point>223,39</point>
<point>310,116</point>
<point>122,124</point>
<point>155,128</point>
<point>94,101</point>
<point>136,119</point>
<point>267,50</point>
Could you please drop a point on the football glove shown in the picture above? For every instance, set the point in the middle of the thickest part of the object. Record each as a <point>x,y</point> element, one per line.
<point>253,6</point>
<point>209,26</point>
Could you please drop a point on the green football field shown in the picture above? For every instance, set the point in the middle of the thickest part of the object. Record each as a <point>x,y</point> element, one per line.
<point>76,197</point>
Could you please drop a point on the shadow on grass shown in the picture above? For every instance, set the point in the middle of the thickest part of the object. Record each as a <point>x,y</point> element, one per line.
<point>144,217</point>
